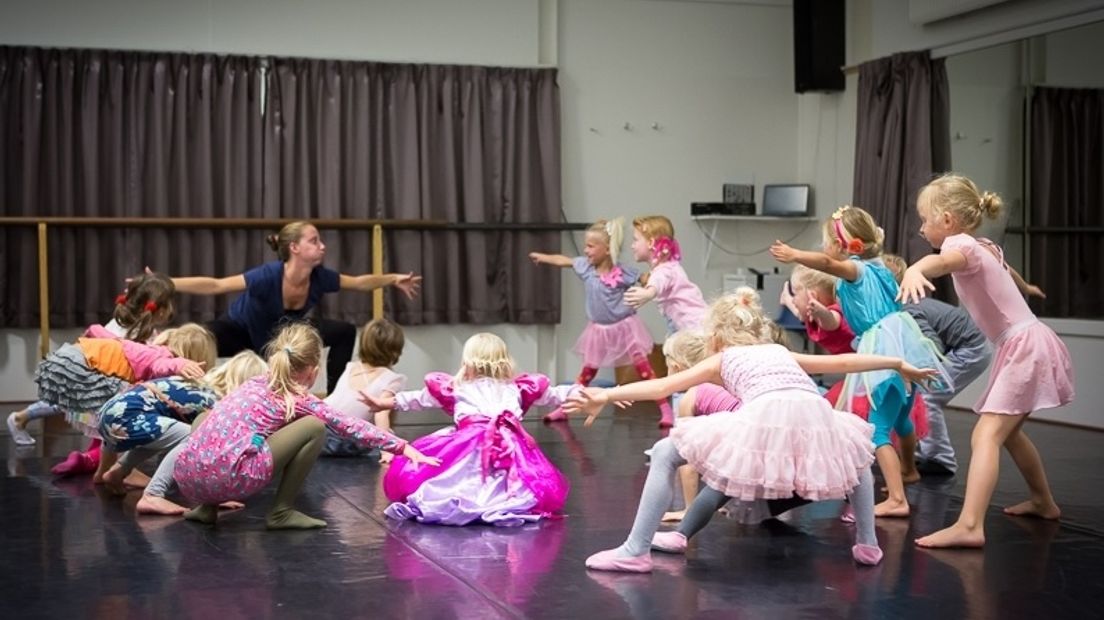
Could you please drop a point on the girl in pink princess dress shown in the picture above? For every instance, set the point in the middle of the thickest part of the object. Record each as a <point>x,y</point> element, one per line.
<point>614,335</point>
<point>1031,367</point>
<point>491,469</point>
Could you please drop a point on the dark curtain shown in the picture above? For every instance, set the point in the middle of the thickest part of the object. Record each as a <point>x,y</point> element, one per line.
<point>457,144</point>
<point>109,133</point>
<point>903,141</point>
<point>100,133</point>
<point>1067,191</point>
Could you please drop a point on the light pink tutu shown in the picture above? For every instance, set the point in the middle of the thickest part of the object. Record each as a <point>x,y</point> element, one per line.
<point>616,344</point>
<point>782,442</point>
<point>1031,371</point>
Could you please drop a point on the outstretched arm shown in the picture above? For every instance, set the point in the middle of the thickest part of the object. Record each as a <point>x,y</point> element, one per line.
<point>203,285</point>
<point>408,283</point>
<point>820,261</point>
<point>556,260</point>
<point>858,362</point>
<point>592,400</point>
<point>916,282</point>
<point>1029,290</point>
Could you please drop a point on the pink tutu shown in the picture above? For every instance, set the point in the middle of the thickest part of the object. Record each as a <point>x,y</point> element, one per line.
<point>782,442</point>
<point>616,344</point>
<point>1031,371</point>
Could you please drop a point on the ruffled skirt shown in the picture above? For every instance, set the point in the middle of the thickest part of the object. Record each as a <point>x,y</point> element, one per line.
<point>1031,371</point>
<point>65,380</point>
<point>617,344</point>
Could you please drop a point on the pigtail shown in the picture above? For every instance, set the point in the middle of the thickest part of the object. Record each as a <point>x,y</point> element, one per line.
<point>295,350</point>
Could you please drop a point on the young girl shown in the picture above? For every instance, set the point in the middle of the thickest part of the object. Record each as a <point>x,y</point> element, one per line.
<point>381,345</point>
<point>137,402</point>
<point>491,469</point>
<point>615,335</point>
<point>867,293</point>
<point>271,425</point>
<point>680,301</point>
<point>145,306</point>
<point>1031,368</point>
<point>784,440</point>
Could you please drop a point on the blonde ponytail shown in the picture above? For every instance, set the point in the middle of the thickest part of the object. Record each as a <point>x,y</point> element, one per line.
<point>296,349</point>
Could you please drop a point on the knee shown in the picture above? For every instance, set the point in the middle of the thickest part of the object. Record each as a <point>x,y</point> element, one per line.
<point>664,451</point>
<point>311,425</point>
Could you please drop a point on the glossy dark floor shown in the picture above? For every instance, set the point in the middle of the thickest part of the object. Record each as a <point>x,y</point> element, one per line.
<point>70,551</point>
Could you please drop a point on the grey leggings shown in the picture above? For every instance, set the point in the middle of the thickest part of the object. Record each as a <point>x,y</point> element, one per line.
<point>659,490</point>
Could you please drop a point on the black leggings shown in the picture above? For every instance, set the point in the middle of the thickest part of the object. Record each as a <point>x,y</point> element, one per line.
<point>339,336</point>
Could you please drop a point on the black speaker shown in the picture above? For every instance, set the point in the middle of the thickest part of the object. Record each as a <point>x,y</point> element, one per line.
<point>819,27</point>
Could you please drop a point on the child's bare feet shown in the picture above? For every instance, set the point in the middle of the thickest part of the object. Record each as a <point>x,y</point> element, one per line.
<point>231,505</point>
<point>891,508</point>
<point>152,505</point>
<point>953,536</point>
<point>113,480</point>
<point>1031,508</point>
<point>675,515</point>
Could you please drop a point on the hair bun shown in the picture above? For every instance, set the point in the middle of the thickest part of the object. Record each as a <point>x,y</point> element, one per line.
<point>273,242</point>
<point>990,204</point>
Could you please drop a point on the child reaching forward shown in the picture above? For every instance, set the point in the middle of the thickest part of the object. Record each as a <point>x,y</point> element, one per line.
<point>867,293</point>
<point>1031,368</point>
<point>679,300</point>
<point>784,440</point>
<point>491,469</point>
<point>614,335</point>
<point>381,345</point>
<point>271,425</point>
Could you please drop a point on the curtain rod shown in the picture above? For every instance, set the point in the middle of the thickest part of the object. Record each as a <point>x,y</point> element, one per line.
<point>244,223</point>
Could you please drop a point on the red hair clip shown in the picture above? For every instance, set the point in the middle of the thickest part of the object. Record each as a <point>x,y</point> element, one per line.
<point>120,299</point>
<point>855,246</point>
<point>151,306</point>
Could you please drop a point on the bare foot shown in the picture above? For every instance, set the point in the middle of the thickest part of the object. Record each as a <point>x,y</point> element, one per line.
<point>136,480</point>
<point>231,506</point>
<point>953,536</point>
<point>151,505</point>
<point>113,480</point>
<point>892,509</point>
<point>1032,509</point>
<point>675,515</point>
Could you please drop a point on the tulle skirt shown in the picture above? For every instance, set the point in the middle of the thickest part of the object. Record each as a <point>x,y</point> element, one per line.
<point>782,442</point>
<point>861,407</point>
<point>491,471</point>
<point>617,344</point>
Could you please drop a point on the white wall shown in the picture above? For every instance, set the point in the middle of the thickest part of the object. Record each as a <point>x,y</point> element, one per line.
<point>716,77</point>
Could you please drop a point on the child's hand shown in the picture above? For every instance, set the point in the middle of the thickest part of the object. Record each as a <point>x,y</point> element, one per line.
<point>418,458</point>
<point>782,252</point>
<point>921,377</point>
<point>589,401</point>
<point>377,403</point>
<point>192,370</point>
<point>637,296</point>
<point>386,458</point>
<point>408,284</point>
<point>914,286</point>
<point>149,272</point>
<point>536,257</point>
<point>817,313</point>
<point>1034,291</point>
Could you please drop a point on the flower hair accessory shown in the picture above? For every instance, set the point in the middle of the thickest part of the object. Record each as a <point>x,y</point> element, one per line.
<point>838,215</point>
<point>151,306</point>
<point>664,249</point>
<point>120,299</point>
<point>855,246</point>
<point>612,277</point>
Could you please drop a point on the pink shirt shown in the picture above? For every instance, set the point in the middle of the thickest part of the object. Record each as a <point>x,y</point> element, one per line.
<point>147,361</point>
<point>711,398</point>
<point>679,300</point>
<point>986,288</point>
<point>834,341</point>
<point>227,458</point>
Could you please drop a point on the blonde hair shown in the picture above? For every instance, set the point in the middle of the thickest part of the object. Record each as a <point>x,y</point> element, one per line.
<point>146,303</point>
<point>959,196</point>
<point>686,348</point>
<point>289,234</point>
<point>737,319</point>
<point>814,279</point>
<point>654,226</point>
<point>856,224</point>
<point>296,349</point>
<point>613,232</point>
<point>234,372</point>
<point>896,264</point>
<point>381,343</point>
<point>485,355</point>
<point>190,341</point>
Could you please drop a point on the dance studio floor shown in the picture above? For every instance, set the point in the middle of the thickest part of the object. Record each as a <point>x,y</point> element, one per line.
<point>70,551</point>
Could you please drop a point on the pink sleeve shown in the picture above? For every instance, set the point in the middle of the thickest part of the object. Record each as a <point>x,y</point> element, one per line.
<point>711,398</point>
<point>151,361</point>
<point>361,431</point>
<point>967,246</point>
<point>99,331</point>
<point>660,280</point>
<point>438,393</point>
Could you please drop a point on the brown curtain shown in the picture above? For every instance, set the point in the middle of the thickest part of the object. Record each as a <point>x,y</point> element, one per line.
<point>459,144</point>
<point>903,141</point>
<point>1067,192</point>
<point>108,133</point>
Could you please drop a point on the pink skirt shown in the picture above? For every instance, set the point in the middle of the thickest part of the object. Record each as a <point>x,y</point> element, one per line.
<point>1031,371</point>
<point>617,344</point>
<point>781,443</point>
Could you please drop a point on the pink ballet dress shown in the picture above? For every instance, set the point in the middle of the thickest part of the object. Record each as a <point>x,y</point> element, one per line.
<point>1031,367</point>
<point>785,439</point>
<point>492,470</point>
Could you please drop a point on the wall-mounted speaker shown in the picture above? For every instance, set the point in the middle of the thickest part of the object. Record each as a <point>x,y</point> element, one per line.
<point>819,52</point>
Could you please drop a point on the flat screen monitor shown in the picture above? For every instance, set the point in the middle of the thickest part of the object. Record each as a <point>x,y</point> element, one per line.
<point>786,200</point>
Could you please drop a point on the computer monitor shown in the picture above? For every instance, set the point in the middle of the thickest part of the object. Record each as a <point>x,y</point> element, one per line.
<point>786,200</point>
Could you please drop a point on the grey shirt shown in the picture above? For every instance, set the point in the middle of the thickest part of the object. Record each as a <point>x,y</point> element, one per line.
<point>949,327</point>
